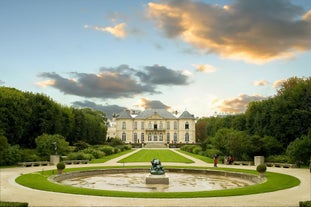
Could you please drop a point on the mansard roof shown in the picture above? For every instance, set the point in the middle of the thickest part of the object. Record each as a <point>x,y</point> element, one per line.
<point>124,115</point>
<point>186,115</point>
<point>150,112</point>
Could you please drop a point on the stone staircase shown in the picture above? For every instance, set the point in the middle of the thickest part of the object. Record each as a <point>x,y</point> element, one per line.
<point>155,145</point>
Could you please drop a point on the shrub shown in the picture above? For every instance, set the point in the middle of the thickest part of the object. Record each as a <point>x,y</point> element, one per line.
<point>60,165</point>
<point>305,204</point>
<point>196,149</point>
<point>108,150</point>
<point>29,155</point>
<point>13,204</point>
<point>278,158</point>
<point>94,152</point>
<point>211,152</point>
<point>262,168</point>
<point>80,145</point>
<point>79,156</point>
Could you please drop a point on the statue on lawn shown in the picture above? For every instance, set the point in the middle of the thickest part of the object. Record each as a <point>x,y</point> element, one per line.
<point>156,168</point>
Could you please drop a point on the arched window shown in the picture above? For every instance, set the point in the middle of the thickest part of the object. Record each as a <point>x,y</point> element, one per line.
<point>175,137</point>
<point>135,137</point>
<point>187,137</point>
<point>123,137</point>
<point>161,137</point>
<point>124,125</point>
<point>168,137</point>
<point>187,125</point>
<point>149,137</point>
<point>142,137</point>
<point>155,137</point>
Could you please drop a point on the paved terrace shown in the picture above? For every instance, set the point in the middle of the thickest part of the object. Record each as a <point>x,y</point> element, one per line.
<point>11,191</point>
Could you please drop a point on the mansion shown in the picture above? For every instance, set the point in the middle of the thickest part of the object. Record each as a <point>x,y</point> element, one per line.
<point>153,126</point>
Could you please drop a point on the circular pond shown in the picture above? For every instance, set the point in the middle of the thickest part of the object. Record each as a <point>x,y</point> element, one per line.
<point>180,180</point>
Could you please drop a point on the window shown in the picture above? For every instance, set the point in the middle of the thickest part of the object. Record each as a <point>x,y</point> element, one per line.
<point>175,125</point>
<point>142,137</point>
<point>168,137</point>
<point>161,137</point>
<point>155,126</point>
<point>135,125</point>
<point>135,137</point>
<point>186,125</point>
<point>187,137</point>
<point>155,137</point>
<point>123,125</point>
<point>175,137</point>
<point>161,125</point>
<point>149,125</point>
<point>123,137</point>
<point>149,137</point>
<point>168,125</point>
<point>142,125</point>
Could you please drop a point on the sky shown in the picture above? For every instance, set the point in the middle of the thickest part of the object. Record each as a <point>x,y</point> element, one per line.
<point>206,57</point>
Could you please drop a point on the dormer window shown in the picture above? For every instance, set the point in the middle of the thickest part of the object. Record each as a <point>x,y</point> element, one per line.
<point>187,125</point>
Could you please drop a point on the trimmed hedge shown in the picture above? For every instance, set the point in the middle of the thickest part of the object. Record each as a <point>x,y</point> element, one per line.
<point>12,204</point>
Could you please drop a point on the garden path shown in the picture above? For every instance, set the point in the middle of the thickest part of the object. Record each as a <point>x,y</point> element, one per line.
<point>11,191</point>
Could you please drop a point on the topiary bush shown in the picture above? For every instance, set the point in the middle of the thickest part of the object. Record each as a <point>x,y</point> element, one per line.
<point>60,166</point>
<point>94,152</point>
<point>108,150</point>
<point>262,168</point>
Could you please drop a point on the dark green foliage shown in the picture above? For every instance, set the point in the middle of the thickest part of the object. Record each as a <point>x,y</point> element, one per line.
<point>267,127</point>
<point>305,204</point>
<point>79,156</point>
<point>25,116</point>
<point>80,145</point>
<point>12,204</point>
<point>108,150</point>
<point>60,165</point>
<point>46,145</point>
<point>300,150</point>
<point>278,159</point>
<point>262,168</point>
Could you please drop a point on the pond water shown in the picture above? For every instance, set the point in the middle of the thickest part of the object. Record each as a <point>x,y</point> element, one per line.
<point>136,182</point>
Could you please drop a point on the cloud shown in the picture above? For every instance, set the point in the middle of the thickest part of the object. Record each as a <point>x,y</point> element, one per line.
<point>278,83</point>
<point>117,31</point>
<point>238,104</point>
<point>108,109</point>
<point>152,104</point>
<point>113,83</point>
<point>2,82</point>
<point>260,83</point>
<point>161,75</point>
<point>205,68</point>
<point>253,31</point>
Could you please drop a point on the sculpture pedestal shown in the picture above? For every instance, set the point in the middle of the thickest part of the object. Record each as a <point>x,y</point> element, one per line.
<point>54,159</point>
<point>157,179</point>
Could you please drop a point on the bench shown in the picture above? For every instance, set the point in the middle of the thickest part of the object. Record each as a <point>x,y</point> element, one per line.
<point>34,164</point>
<point>275,164</point>
<point>248,163</point>
<point>73,162</point>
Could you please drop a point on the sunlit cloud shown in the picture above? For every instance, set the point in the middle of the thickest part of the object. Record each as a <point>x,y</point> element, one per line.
<point>253,31</point>
<point>238,104</point>
<point>260,83</point>
<point>151,104</point>
<point>45,83</point>
<point>278,83</point>
<point>206,68</point>
<point>117,31</point>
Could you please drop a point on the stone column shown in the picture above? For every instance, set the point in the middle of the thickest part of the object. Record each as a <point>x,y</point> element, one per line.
<point>259,160</point>
<point>54,159</point>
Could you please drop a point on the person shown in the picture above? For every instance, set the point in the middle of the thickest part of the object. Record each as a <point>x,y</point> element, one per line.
<point>231,160</point>
<point>215,160</point>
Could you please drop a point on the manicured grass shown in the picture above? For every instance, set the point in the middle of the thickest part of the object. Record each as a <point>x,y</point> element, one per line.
<point>275,181</point>
<point>109,157</point>
<point>200,157</point>
<point>164,155</point>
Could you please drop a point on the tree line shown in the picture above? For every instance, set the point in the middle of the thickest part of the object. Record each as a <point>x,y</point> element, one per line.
<point>25,116</point>
<point>279,125</point>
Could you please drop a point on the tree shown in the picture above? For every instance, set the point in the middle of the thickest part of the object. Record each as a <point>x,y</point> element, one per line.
<point>51,144</point>
<point>299,149</point>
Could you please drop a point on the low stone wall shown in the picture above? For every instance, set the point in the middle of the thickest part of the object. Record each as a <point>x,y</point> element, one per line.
<point>70,175</point>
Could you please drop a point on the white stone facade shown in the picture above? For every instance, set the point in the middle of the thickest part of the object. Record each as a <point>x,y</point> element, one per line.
<point>156,126</point>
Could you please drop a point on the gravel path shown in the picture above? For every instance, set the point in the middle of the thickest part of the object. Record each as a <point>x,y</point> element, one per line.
<point>11,191</point>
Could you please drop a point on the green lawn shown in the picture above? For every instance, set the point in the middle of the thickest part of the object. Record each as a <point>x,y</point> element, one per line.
<point>164,155</point>
<point>275,181</point>
<point>109,157</point>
